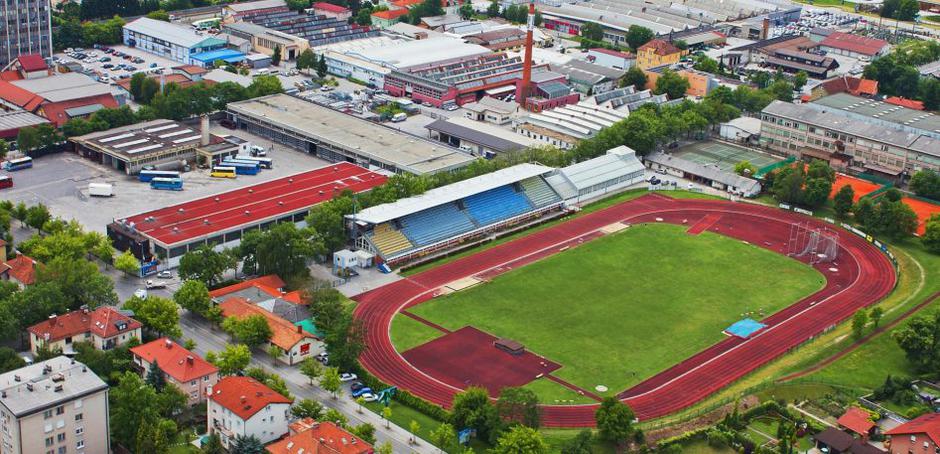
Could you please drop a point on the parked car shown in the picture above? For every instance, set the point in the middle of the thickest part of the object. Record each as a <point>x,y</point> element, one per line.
<point>361,391</point>
<point>323,357</point>
<point>369,397</point>
<point>153,65</point>
<point>346,376</point>
<point>165,274</point>
<point>140,293</point>
<point>226,123</point>
<point>356,386</point>
<point>451,107</point>
<point>151,285</point>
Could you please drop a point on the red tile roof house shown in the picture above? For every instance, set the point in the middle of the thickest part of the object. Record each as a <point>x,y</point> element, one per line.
<point>921,435</point>
<point>21,270</point>
<point>296,342</point>
<point>190,373</point>
<point>31,66</point>
<point>244,406</point>
<point>857,421</point>
<point>855,46</point>
<point>104,327</point>
<point>308,436</point>
<point>331,10</point>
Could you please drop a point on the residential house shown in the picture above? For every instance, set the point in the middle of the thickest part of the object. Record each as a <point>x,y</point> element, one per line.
<point>920,435</point>
<point>20,269</point>
<point>54,406</point>
<point>309,436</point>
<point>835,441</point>
<point>857,421</point>
<point>331,10</point>
<point>295,341</point>
<point>387,18</point>
<point>104,327</point>
<point>854,46</point>
<point>658,52</point>
<point>854,86</point>
<point>186,370</point>
<point>246,407</point>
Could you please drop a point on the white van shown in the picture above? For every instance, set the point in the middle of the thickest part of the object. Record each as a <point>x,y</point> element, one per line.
<point>399,117</point>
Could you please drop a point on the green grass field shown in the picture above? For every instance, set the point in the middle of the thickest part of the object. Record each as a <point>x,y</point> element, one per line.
<point>619,309</point>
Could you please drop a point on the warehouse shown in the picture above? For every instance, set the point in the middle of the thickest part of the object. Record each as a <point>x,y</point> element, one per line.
<point>222,219</point>
<point>171,41</point>
<point>478,138</point>
<point>160,143</point>
<point>336,136</point>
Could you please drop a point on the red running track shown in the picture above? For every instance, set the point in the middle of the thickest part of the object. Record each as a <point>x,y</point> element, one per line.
<point>864,275</point>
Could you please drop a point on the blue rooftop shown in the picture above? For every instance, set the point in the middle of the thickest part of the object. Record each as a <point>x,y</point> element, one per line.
<point>226,55</point>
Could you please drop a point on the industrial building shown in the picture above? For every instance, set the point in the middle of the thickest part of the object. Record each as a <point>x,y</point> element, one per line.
<point>478,138</point>
<point>27,29</point>
<point>790,53</point>
<point>627,99</point>
<point>316,29</point>
<point>565,126</point>
<point>58,98</point>
<point>336,136</point>
<point>854,46</point>
<point>222,219</point>
<point>491,110</point>
<point>708,174</point>
<point>264,40</point>
<point>171,41</point>
<point>611,58</point>
<point>233,12</point>
<point>498,39</point>
<point>855,135</point>
<point>159,143</point>
<point>588,78</point>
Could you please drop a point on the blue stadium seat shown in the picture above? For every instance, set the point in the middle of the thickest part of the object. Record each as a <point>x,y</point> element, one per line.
<point>496,205</point>
<point>435,224</point>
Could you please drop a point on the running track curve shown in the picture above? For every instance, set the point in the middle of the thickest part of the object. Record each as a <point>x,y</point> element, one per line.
<point>864,276</point>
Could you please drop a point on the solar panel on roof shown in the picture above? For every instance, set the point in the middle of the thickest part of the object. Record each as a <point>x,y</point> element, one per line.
<point>133,142</point>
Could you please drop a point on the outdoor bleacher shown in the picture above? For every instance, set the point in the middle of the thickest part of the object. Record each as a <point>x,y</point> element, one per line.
<point>448,215</point>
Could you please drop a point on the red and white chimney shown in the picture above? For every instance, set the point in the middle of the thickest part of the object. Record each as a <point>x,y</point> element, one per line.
<point>527,64</point>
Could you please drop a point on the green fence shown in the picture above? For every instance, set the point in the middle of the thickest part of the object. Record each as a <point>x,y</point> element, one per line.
<point>770,168</point>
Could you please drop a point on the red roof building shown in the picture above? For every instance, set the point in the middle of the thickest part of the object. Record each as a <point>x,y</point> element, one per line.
<point>61,112</point>
<point>385,18</point>
<point>104,327</point>
<point>190,373</point>
<point>296,342</point>
<point>22,270</point>
<point>308,436</point>
<point>853,45</point>
<point>611,52</point>
<point>329,7</point>
<point>858,421</point>
<point>904,102</point>
<point>854,86</point>
<point>243,406</point>
<point>271,281</point>
<point>32,63</point>
<point>659,47</point>
<point>58,98</point>
<point>919,435</point>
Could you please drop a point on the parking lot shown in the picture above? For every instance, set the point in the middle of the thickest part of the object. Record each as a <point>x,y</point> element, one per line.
<point>60,182</point>
<point>150,62</point>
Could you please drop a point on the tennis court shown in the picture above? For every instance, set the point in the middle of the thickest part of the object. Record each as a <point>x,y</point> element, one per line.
<point>724,155</point>
<point>860,186</point>
<point>923,209</point>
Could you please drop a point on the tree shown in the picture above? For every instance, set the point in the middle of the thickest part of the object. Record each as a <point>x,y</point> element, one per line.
<point>4,149</point>
<point>920,340</point>
<point>864,211</point>
<point>307,408</point>
<point>311,369</point>
<point>206,265</point>
<point>193,296</point>
<point>745,168</point>
<point>155,376</point>
<point>80,282</point>
<point>37,215</point>
<point>365,431</point>
<point>520,440</point>
<point>671,84</point>
<point>247,445</point>
<point>298,5</point>
<point>466,11</point>
<point>155,438</point>
<point>615,421</point>
<point>276,56</point>
<point>133,404</point>
<point>634,77</point>
<point>842,201</point>
<point>907,10</point>
<point>127,263</point>
<point>283,250</point>
<point>330,381</point>
<point>875,315</point>
<point>859,320</point>
<point>800,79</point>
<point>444,437</point>
<point>275,353</point>
<point>493,9</point>
<point>156,313</point>
<point>580,444</point>
<point>322,68</point>
<point>159,15</point>
<point>472,409</point>
<point>519,405</point>
<point>414,427</point>
<point>592,31</point>
<point>386,447</point>
<point>234,359</point>
<point>925,183</point>
<point>306,60</point>
<point>27,139</point>
<point>10,360</point>
<point>252,330</point>
<point>213,445</point>
<point>931,236</point>
<point>387,415</point>
<point>637,36</point>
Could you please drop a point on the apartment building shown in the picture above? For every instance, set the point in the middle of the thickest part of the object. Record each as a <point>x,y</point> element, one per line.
<point>27,30</point>
<point>244,406</point>
<point>57,406</point>
<point>104,327</point>
<point>184,369</point>
<point>852,140</point>
<point>658,52</point>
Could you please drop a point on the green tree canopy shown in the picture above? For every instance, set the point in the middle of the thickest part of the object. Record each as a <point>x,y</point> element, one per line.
<point>157,314</point>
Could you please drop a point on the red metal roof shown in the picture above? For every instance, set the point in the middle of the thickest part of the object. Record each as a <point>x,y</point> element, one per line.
<point>660,47</point>
<point>55,111</point>
<point>103,322</point>
<point>18,96</point>
<point>309,436</point>
<point>329,7</point>
<point>390,14</point>
<point>250,205</point>
<point>174,360</point>
<point>271,281</point>
<point>854,43</point>
<point>245,396</point>
<point>856,420</point>
<point>925,424</point>
<point>614,53</point>
<point>904,102</point>
<point>32,62</point>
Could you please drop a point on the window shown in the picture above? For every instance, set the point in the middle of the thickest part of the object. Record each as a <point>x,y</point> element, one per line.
<point>79,430</point>
<point>47,414</point>
<point>78,416</point>
<point>62,450</point>
<point>60,438</point>
<point>50,441</point>
<point>80,444</point>
<point>60,409</point>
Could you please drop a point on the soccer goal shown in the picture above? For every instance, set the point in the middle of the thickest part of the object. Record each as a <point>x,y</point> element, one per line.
<point>820,244</point>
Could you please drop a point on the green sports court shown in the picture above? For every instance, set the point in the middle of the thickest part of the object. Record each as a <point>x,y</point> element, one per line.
<point>724,155</point>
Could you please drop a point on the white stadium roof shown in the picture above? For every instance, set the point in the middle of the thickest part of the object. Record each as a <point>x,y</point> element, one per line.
<point>450,193</point>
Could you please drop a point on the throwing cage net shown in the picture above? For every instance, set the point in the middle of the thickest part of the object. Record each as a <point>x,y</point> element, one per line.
<point>820,244</point>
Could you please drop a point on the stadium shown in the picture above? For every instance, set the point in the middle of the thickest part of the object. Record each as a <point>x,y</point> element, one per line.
<point>656,300</point>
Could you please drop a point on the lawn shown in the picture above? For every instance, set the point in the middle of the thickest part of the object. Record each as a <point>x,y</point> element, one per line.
<point>407,333</point>
<point>629,305</point>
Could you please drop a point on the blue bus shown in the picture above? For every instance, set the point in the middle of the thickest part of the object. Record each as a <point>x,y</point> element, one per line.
<point>147,175</point>
<point>167,184</point>
<point>242,168</point>
<point>241,161</point>
<point>266,163</point>
<point>18,164</point>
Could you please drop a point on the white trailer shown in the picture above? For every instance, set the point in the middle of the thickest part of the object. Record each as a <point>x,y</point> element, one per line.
<point>100,190</point>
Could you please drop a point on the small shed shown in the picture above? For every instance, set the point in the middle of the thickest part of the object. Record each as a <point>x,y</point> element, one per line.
<point>509,346</point>
<point>345,259</point>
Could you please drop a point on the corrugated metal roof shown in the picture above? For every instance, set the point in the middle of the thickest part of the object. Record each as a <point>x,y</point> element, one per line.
<point>172,33</point>
<point>618,162</point>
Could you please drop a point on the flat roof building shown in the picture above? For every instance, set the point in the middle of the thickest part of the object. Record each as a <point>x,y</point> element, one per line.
<point>170,232</point>
<point>565,126</point>
<point>160,143</point>
<point>589,78</point>
<point>708,174</point>
<point>58,405</point>
<point>336,136</point>
<point>478,138</point>
<point>171,41</point>
<point>607,174</point>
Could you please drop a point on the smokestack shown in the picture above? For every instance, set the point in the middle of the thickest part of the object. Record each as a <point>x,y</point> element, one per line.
<point>765,29</point>
<point>527,65</point>
<point>204,129</point>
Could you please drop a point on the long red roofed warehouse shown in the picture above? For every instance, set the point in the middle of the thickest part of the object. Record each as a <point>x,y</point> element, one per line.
<point>169,232</point>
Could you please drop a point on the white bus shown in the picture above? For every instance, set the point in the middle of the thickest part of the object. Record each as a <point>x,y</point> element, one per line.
<point>206,24</point>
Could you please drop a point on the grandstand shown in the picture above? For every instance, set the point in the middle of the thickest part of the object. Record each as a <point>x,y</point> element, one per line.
<point>450,215</point>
